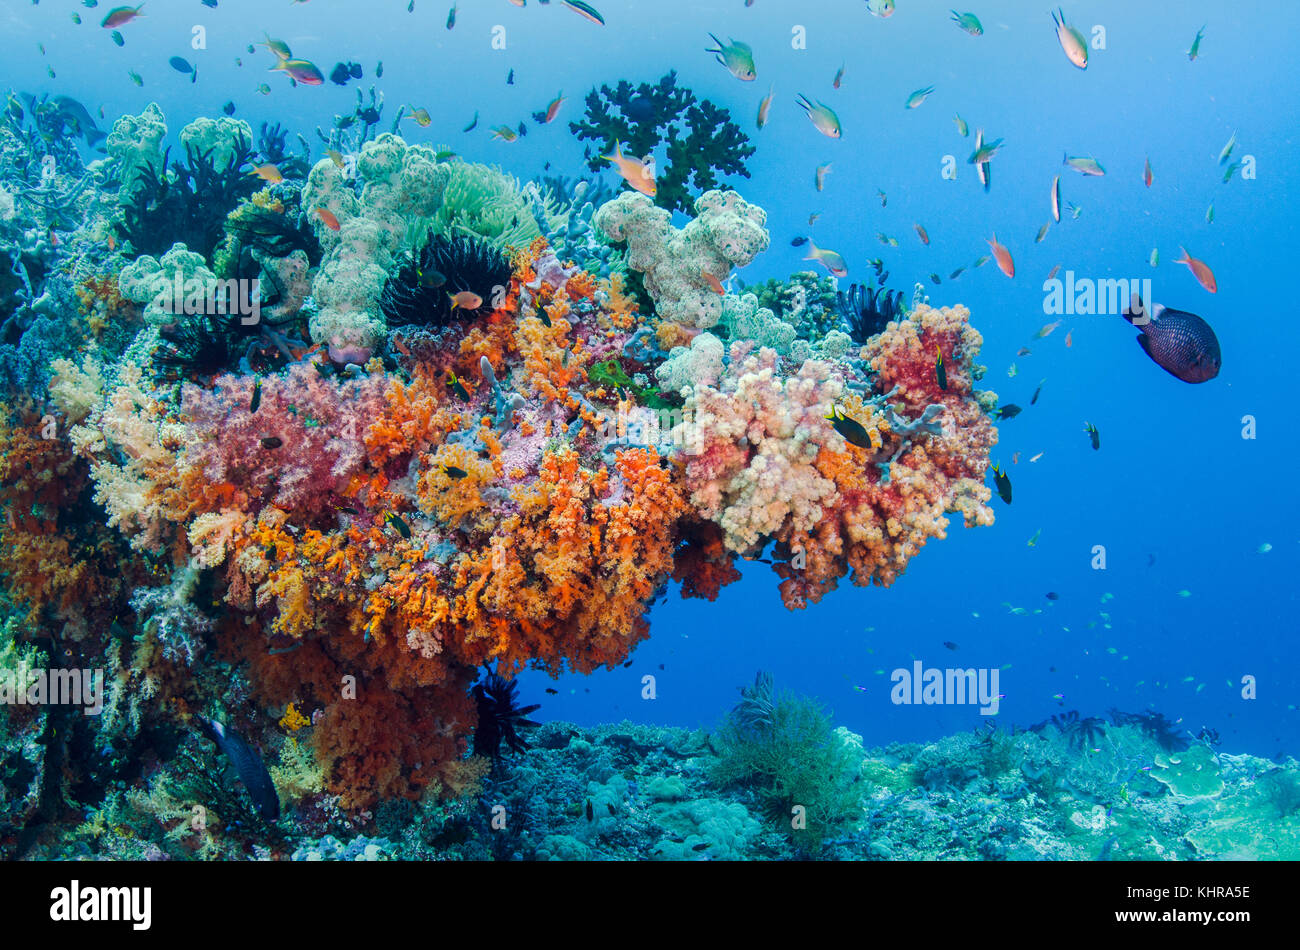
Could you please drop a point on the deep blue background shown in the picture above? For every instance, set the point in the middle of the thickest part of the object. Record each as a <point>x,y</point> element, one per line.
<point>1173,479</point>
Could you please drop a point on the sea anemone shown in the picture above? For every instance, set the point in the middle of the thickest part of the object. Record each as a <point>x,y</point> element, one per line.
<point>499,718</point>
<point>420,291</point>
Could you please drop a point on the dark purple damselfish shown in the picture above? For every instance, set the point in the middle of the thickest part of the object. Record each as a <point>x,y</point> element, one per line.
<point>1177,341</point>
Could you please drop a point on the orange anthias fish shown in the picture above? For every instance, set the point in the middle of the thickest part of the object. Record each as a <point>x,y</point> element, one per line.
<point>1201,270</point>
<point>328,218</point>
<point>554,108</point>
<point>1003,257</point>
<point>1146,175</point>
<point>714,284</point>
<point>466,300</point>
<point>268,173</point>
<point>921,233</point>
<point>634,171</point>
<point>1069,339</point>
<point>765,107</point>
<point>120,15</point>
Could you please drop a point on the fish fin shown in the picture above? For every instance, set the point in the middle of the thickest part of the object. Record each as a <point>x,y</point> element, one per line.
<point>716,40</point>
<point>1145,344</point>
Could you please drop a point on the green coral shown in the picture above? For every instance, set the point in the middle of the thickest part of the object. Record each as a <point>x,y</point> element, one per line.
<point>135,146</point>
<point>225,137</point>
<point>610,373</point>
<point>702,141</point>
<point>1193,774</point>
<point>745,319</point>
<point>727,232</point>
<point>718,830</point>
<point>806,301</point>
<point>153,282</point>
<point>484,201</point>
<point>785,748</point>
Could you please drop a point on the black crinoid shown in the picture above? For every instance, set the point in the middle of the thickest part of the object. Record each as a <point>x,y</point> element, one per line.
<point>198,347</point>
<point>867,310</point>
<point>1154,726</point>
<point>1080,733</point>
<point>420,291</point>
<point>500,718</point>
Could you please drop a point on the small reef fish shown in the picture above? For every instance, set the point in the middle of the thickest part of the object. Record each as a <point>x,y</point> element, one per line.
<point>1069,339</point>
<point>714,284</point>
<point>839,75</point>
<point>798,241</point>
<point>278,47</point>
<point>1154,259</point>
<point>271,442</point>
<point>962,127</point>
<point>968,22</point>
<point>1209,214</point>
<point>1037,392</point>
<point>1226,152</point>
<point>1042,233</point>
<point>884,198</point>
<point>1094,436</point>
<point>940,371</point>
<point>585,10</point>
<point>881,8</point>
<point>935,279</point>
<point>853,431</point>
<point>510,78</point>
<point>738,57</point>
<point>336,157</point>
<point>984,151</point>
<point>922,234</point>
<point>1084,164</point>
<point>822,172</point>
<point>1196,45</point>
<point>554,108</point>
<point>135,77</point>
<point>1230,171</point>
<point>1003,257</point>
<point>1033,542</point>
<point>822,116</point>
<point>396,521</point>
<point>1146,173</point>
<point>1047,329</point>
<point>1072,41</point>
<point>249,766</point>
<point>457,387</point>
<point>465,300</point>
<point>1201,270</point>
<point>1009,411</point>
<point>981,260</point>
<point>1003,484</point>
<point>421,116</point>
<point>455,473</point>
<point>1056,199</point>
<point>301,70</point>
<point>328,218</point>
<point>765,106</point>
<point>831,260</point>
<point>473,125</point>
<point>505,133</point>
<point>256,400</point>
<point>268,173</point>
<point>636,172</point>
<point>1179,342</point>
<point>118,38</point>
<point>918,97</point>
<point>957,273</point>
<point>451,17</point>
<point>120,16</point>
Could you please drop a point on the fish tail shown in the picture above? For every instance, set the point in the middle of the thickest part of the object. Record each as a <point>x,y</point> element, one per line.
<point>716,40</point>
<point>813,251</point>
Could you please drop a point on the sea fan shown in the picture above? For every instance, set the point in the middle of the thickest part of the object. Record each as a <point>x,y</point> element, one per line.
<point>419,292</point>
<point>499,718</point>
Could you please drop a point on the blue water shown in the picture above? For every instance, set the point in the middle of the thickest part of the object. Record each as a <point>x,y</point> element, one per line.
<point>1174,480</point>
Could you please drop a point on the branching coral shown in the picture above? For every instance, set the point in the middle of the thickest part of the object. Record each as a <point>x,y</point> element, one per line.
<point>702,140</point>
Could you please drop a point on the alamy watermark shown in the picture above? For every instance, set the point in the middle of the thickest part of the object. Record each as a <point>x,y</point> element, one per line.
<point>181,296</point>
<point>932,686</point>
<point>1085,296</point>
<point>24,686</point>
